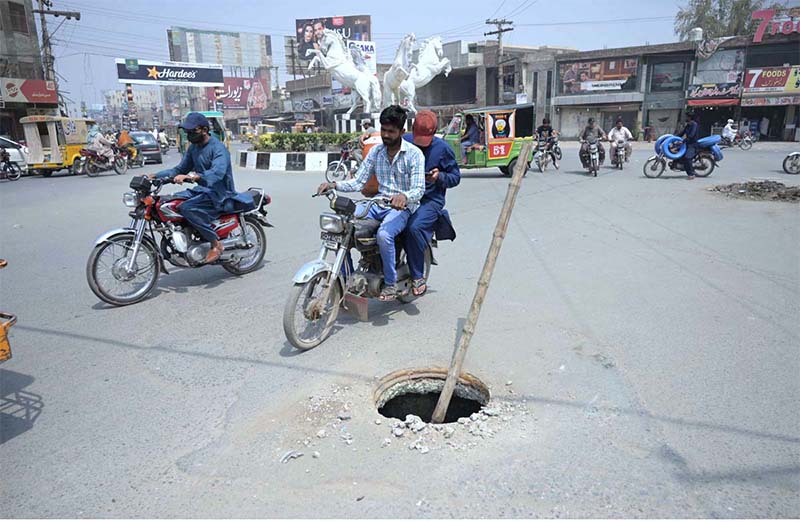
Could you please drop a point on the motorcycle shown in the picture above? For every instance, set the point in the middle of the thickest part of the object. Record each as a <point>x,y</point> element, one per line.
<point>791,163</point>
<point>708,155</point>
<point>619,154</point>
<point>91,163</point>
<point>164,148</point>
<point>543,155</point>
<point>9,169</point>
<point>320,285</point>
<point>742,141</point>
<point>125,263</point>
<point>592,156</point>
<point>345,166</point>
<point>134,156</point>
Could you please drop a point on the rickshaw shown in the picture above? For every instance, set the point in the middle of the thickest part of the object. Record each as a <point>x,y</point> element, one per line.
<point>67,134</point>
<point>6,322</point>
<point>217,129</point>
<point>503,130</point>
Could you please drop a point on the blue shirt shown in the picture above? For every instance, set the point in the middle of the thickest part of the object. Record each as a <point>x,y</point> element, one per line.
<point>438,155</point>
<point>691,131</point>
<point>212,163</point>
<point>473,134</point>
<point>405,174</point>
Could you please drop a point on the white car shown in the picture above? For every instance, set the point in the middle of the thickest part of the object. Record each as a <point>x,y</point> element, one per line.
<point>18,153</point>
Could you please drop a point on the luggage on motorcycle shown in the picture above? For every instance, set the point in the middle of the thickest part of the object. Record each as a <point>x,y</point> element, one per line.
<point>709,141</point>
<point>140,183</point>
<point>717,152</point>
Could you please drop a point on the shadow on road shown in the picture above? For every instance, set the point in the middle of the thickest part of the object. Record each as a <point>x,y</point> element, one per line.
<point>19,409</point>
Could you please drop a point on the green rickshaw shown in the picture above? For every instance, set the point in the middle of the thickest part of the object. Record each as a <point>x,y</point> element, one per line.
<point>217,130</point>
<point>503,130</point>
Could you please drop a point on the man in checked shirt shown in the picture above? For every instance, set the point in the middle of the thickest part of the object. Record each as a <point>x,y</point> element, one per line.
<point>399,167</point>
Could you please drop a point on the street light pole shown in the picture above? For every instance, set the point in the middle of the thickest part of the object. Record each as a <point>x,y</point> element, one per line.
<point>47,49</point>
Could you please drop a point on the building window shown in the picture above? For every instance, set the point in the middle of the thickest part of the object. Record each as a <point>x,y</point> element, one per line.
<point>667,77</point>
<point>27,70</point>
<point>19,21</point>
<point>549,85</point>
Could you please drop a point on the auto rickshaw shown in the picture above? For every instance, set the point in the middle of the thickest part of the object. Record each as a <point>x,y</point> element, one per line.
<point>503,130</point>
<point>6,322</point>
<point>67,134</point>
<point>217,130</point>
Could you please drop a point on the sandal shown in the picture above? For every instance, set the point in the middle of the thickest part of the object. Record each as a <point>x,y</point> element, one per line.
<point>389,293</point>
<point>419,287</point>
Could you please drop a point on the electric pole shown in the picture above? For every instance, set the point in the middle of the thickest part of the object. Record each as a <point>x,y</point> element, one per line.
<point>47,49</point>
<point>500,24</point>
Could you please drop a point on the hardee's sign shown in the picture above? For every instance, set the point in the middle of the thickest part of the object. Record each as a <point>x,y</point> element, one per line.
<point>766,23</point>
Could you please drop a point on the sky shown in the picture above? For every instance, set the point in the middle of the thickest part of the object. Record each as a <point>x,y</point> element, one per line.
<point>85,50</point>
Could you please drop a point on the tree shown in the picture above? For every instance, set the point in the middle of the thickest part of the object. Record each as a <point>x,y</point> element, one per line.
<point>719,17</point>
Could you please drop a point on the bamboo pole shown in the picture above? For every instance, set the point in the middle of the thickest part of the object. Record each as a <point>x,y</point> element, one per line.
<point>483,286</point>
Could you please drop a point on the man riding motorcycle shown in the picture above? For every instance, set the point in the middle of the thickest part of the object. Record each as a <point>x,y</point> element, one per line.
<point>441,173</point>
<point>729,133</point>
<point>545,130</point>
<point>591,131</point>
<point>399,168</point>
<point>620,132</point>
<point>99,144</point>
<point>214,194</point>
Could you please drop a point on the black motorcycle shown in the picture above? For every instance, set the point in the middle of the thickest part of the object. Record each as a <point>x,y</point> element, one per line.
<point>320,285</point>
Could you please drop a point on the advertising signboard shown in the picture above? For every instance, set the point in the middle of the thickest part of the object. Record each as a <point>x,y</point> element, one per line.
<point>714,94</point>
<point>308,32</point>
<point>368,52</point>
<point>168,73</point>
<point>617,74</point>
<point>501,134</point>
<point>19,90</point>
<point>772,80</point>
<point>241,93</point>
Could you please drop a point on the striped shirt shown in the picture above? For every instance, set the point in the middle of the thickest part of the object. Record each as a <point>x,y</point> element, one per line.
<point>404,175</point>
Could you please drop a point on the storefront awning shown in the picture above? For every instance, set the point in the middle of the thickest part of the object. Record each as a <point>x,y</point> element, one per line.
<point>713,102</point>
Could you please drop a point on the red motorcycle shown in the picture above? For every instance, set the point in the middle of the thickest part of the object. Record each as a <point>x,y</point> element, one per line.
<point>92,163</point>
<point>125,263</point>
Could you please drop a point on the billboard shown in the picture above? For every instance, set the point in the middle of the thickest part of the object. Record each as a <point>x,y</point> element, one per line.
<point>19,90</point>
<point>367,49</point>
<point>242,93</point>
<point>714,94</point>
<point>308,31</point>
<point>618,74</point>
<point>223,47</point>
<point>168,73</point>
<point>773,80</point>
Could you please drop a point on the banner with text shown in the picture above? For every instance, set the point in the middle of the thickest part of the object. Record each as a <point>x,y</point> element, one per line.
<point>772,80</point>
<point>168,73</point>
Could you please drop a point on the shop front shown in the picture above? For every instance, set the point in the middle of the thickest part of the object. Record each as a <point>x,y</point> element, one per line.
<point>21,97</point>
<point>770,102</point>
<point>713,104</point>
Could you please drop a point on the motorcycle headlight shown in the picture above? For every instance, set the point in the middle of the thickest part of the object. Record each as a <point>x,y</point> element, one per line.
<point>331,223</point>
<point>129,199</point>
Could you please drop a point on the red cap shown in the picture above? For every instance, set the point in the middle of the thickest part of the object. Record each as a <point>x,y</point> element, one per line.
<point>425,123</point>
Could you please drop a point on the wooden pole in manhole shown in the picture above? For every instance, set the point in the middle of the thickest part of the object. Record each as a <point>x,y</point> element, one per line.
<point>483,285</point>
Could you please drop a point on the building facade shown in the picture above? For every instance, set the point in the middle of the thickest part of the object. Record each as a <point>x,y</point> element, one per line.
<point>146,102</point>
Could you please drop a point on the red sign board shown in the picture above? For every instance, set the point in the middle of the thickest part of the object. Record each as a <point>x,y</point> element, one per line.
<point>500,149</point>
<point>241,93</point>
<point>773,79</point>
<point>19,90</point>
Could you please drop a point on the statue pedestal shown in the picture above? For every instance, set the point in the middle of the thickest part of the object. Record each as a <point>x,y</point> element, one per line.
<point>353,123</point>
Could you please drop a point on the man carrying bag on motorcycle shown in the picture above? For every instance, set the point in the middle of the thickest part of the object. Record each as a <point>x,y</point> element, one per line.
<point>399,168</point>
<point>214,194</point>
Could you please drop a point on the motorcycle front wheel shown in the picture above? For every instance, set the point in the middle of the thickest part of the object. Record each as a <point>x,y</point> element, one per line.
<point>307,323</point>
<point>120,165</point>
<point>336,171</point>
<point>746,144</point>
<point>106,274</point>
<point>253,256</point>
<point>791,163</point>
<point>91,169</point>
<point>653,167</point>
<point>15,172</point>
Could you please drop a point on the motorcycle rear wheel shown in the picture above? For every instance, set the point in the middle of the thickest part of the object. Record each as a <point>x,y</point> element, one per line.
<point>91,169</point>
<point>300,296</point>
<point>255,234</point>
<point>557,152</point>
<point>336,171</point>
<point>97,264</point>
<point>703,166</point>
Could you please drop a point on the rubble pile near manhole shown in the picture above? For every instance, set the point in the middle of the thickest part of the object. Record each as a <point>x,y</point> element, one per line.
<point>760,190</point>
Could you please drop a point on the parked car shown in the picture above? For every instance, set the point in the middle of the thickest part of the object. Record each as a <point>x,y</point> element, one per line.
<point>18,153</point>
<point>147,145</point>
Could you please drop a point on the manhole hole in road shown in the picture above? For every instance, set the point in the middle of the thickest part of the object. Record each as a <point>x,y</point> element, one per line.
<point>416,392</point>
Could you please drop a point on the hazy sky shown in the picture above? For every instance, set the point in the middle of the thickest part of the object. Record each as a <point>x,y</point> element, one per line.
<point>85,49</point>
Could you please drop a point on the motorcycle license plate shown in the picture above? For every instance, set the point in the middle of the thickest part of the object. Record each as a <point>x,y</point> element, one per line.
<point>327,236</point>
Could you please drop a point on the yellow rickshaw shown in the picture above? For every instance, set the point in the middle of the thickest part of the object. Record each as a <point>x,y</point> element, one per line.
<point>55,142</point>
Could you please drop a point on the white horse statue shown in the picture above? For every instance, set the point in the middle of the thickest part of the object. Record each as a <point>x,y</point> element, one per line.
<point>430,63</point>
<point>400,70</point>
<point>337,59</point>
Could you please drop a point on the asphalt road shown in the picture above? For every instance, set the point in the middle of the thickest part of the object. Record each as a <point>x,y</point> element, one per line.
<point>648,330</point>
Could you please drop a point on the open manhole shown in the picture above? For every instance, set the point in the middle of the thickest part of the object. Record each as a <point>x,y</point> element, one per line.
<point>416,392</point>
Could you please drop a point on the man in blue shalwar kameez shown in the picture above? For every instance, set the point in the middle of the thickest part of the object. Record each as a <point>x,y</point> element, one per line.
<point>214,194</point>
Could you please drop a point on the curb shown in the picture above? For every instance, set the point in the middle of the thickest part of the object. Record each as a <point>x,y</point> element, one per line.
<point>294,161</point>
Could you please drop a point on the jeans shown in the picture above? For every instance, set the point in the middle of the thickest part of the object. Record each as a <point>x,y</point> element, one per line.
<point>392,224</point>
<point>200,211</point>
<point>464,145</point>
<point>688,160</point>
<point>417,236</point>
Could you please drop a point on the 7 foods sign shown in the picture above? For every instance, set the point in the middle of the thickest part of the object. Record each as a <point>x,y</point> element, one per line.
<point>773,79</point>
